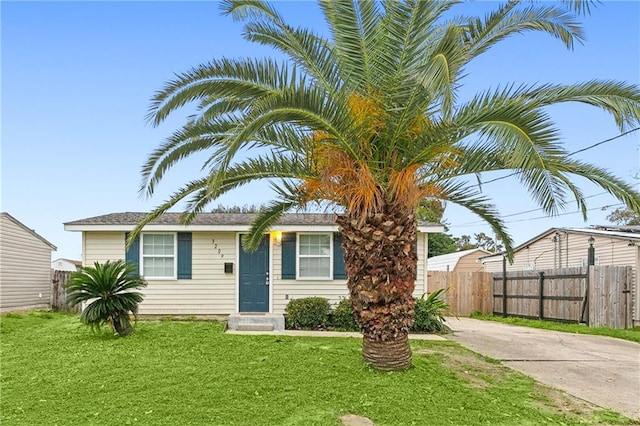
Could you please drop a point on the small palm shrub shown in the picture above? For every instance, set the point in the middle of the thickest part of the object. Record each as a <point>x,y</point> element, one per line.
<point>429,314</point>
<point>110,290</point>
<point>342,316</point>
<point>307,313</point>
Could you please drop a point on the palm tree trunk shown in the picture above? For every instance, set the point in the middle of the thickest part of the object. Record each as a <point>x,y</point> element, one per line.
<point>122,324</point>
<point>381,263</point>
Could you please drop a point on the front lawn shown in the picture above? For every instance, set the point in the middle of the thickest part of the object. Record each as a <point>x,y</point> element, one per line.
<point>56,371</point>
<point>631,334</point>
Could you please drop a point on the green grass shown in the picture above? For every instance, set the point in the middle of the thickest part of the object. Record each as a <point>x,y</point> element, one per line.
<point>632,334</point>
<point>57,372</point>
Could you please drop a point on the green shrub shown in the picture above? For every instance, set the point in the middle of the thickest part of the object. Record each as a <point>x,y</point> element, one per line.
<point>342,316</point>
<point>307,313</point>
<point>109,289</point>
<point>429,314</point>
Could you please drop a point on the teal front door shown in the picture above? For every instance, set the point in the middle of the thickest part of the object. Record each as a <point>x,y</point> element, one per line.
<point>253,270</point>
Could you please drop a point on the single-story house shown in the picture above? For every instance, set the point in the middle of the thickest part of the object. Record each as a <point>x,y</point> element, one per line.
<point>459,261</point>
<point>202,269</point>
<point>66,265</point>
<point>25,266</point>
<point>568,247</point>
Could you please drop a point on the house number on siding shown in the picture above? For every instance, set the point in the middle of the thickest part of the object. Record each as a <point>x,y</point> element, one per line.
<point>215,247</point>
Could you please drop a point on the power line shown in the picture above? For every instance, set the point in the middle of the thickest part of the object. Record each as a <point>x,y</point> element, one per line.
<point>479,222</point>
<point>568,213</point>
<point>604,141</point>
<point>571,153</point>
<point>549,217</point>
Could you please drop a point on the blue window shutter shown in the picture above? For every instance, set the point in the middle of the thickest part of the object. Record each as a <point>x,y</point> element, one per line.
<point>339,271</point>
<point>132,254</point>
<point>184,255</point>
<point>288,256</point>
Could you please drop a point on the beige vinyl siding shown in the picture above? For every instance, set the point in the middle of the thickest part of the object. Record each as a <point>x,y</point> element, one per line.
<point>493,265</point>
<point>102,246</point>
<point>570,250</point>
<point>421,278</point>
<point>25,268</point>
<point>209,291</point>
<point>285,290</point>
<point>469,263</point>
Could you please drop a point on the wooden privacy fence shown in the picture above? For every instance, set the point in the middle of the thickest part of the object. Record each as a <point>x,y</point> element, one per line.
<point>58,294</point>
<point>466,292</point>
<point>599,297</point>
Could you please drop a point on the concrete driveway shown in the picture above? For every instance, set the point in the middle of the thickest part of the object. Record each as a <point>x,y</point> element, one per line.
<point>601,370</point>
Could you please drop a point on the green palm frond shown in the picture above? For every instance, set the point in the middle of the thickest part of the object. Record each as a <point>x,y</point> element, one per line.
<point>273,166</point>
<point>219,79</point>
<point>607,181</point>
<point>354,27</point>
<point>311,52</point>
<point>469,198</point>
<point>247,9</point>
<point>508,20</point>
<point>620,99</point>
<point>192,138</point>
<point>267,217</point>
<point>172,200</point>
<point>582,7</point>
<point>380,96</point>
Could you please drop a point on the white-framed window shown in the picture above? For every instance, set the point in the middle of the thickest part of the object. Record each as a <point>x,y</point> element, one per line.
<point>158,255</point>
<point>315,256</point>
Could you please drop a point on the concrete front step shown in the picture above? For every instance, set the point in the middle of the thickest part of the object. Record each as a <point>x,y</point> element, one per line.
<point>254,327</point>
<point>255,322</point>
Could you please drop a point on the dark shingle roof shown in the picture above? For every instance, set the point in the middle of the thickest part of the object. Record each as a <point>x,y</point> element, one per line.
<point>133,218</point>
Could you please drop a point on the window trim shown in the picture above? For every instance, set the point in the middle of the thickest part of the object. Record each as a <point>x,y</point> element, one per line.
<point>175,256</point>
<point>329,277</point>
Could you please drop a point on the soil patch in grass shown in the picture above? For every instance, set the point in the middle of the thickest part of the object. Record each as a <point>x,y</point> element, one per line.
<point>484,373</point>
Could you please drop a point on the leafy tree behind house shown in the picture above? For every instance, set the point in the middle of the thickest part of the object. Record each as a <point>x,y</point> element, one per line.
<point>624,216</point>
<point>479,240</point>
<point>253,208</point>
<point>369,119</point>
<point>432,211</point>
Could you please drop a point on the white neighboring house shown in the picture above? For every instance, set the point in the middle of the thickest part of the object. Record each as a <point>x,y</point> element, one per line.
<point>568,247</point>
<point>202,269</point>
<point>459,261</point>
<point>25,266</point>
<point>66,265</point>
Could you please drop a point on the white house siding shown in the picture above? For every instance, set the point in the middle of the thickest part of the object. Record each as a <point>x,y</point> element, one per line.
<point>285,290</point>
<point>209,291</point>
<point>25,268</point>
<point>63,265</point>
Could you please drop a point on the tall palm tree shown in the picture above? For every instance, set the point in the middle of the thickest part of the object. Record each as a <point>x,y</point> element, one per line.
<point>368,120</point>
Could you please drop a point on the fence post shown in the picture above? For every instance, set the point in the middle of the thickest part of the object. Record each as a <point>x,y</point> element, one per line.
<point>540,295</point>
<point>504,285</point>
<point>584,314</point>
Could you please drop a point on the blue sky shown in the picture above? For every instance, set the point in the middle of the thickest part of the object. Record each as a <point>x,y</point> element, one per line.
<point>77,78</point>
